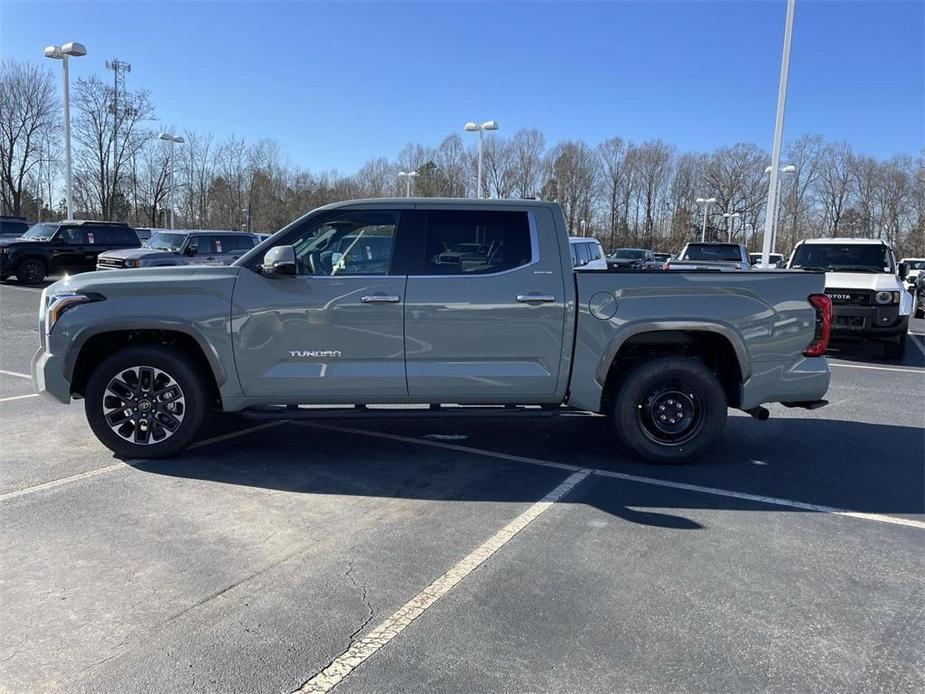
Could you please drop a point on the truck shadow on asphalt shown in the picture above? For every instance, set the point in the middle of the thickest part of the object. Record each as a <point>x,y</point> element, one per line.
<point>855,466</point>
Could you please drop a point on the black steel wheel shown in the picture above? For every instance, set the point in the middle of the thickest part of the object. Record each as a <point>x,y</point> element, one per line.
<point>670,409</point>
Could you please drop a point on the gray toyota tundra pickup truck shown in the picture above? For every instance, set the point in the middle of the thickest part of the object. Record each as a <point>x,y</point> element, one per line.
<point>451,303</point>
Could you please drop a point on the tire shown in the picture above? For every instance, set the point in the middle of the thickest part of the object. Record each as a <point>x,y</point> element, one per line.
<point>663,386</point>
<point>919,310</point>
<point>31,271</point>
<point>897,349</point>
<point>171,420</point>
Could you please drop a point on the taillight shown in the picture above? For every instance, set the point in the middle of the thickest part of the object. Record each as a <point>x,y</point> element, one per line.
<point>666,265</point>
<point>823,306</point>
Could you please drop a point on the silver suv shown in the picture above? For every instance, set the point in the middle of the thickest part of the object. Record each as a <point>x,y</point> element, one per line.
<point>165,248</point>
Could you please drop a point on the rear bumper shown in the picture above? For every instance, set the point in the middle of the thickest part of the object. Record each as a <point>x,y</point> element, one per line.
<point>805,381</point>
<point>867,321</point>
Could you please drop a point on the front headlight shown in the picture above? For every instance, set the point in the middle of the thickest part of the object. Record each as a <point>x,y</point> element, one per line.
<point>57,304</point>
<point>131,262</point>
<point>887,298</point>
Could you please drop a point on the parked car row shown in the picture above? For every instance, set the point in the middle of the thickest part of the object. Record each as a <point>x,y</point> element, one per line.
<point>31,253</point>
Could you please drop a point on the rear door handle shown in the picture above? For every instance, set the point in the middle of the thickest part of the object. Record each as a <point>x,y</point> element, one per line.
<point>380,299</point>
<point>538,298</point>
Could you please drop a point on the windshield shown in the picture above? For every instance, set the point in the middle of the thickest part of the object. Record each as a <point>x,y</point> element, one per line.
<point>41,232</point>
<point>915,264</point>
<point>842,257</point>
<point>630,253</point>
<point>713,251</point>
<point>165,241</point>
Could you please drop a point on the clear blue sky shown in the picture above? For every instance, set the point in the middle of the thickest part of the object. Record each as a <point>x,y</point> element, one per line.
<point>338,83</point>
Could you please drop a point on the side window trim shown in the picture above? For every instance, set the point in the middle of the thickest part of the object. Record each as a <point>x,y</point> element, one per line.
<point>534,252</point>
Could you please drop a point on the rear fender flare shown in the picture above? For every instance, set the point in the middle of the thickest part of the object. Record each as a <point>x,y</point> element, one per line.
<point>639,327</point>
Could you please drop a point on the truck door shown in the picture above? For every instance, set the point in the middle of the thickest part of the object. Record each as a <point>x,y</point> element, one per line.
<point>334,332</point>
<point>485,310</point>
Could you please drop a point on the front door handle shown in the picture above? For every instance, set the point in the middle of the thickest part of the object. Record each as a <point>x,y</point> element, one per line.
<point>380,299</point>
<point>539,298</point>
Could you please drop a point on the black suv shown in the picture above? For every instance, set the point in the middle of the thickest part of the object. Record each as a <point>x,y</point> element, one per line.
<point>54,247</point>
<point>12,227</point>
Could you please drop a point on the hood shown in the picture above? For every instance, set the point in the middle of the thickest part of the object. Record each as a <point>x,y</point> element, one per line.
<point>140,280</point>
<point>13,240</point>
<point>138,253</point>
<point>881,281</point>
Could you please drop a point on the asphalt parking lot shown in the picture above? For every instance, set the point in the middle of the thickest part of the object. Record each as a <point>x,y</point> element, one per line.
<point>466,555</point>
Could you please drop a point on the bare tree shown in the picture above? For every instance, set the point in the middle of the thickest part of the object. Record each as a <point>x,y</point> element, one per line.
<point>615,173</point>
<point>28,106</point>
<point>527,147</point>
<point>452,162</point>
<point>798,188</point>
<point>573,168</point>
<point>101,157</point>
<point>834,184</point>
<point>735,177</point>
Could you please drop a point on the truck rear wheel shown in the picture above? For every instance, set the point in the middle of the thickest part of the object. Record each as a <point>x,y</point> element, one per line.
<point>670,410</point>
<point>146,402</point>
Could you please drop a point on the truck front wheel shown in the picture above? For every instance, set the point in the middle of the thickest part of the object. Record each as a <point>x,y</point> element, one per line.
<point>670,409</point>
<point>146,402</point>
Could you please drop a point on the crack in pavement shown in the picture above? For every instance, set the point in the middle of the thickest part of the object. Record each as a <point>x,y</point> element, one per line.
<point>352,638</point>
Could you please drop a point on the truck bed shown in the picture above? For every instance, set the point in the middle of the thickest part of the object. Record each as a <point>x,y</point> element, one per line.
<point>762,315</point>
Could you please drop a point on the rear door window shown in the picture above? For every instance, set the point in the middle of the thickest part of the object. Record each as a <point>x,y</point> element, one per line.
<point>475,243</point>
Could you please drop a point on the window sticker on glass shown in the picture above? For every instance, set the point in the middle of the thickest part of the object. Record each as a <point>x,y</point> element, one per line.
<point>90,238</point>
<point>218,245</point>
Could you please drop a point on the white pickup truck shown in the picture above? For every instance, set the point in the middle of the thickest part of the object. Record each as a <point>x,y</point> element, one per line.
<point>721,257</point>
<point>865,284</point>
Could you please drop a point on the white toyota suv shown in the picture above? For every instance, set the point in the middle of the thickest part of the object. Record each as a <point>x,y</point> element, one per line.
<point>863,280</point>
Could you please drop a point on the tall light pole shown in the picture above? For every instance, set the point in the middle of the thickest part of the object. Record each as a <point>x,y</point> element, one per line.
<point>171,140</point>
<point>706,202</point>
<point>789,169</point>
<point>63,53</point>
<point>475,127</point>
<point>730,217</point>
<point>778,137</point>
<point>407,175</point>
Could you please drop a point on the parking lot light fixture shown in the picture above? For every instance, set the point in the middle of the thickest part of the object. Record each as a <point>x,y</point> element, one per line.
<point>171,140</point>
<point>408,176</point>
<point>730,220</point>
<point>706,202</point>
<point>72,49</point>
<point>472,127</point>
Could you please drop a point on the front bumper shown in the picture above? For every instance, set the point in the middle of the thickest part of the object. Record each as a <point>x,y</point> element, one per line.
<point>48,376</point>
<point>867,321</point>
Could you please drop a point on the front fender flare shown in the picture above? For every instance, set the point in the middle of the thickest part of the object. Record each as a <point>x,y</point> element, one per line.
<point>115,326</point>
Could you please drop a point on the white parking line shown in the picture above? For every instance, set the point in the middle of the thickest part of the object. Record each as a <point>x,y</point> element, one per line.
<point>715,491</point>
<point>19,397</point>
<point>878,368</point>
<point>15,373</point>
<point>116,466</point>
<point>366,646</point>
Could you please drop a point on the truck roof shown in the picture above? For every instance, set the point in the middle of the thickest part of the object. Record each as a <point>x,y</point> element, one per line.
<point>453,202</point>
<point>846,240</point>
